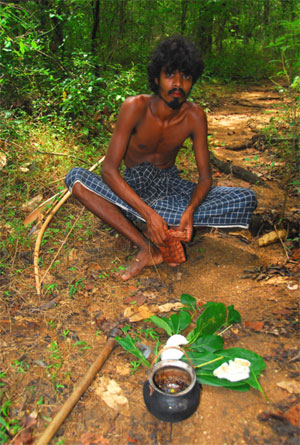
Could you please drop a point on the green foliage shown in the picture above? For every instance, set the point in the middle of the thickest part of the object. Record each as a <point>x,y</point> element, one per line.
<point>129,344</point>
<point>286,127</point>
<point>204,348</point>
<point>173,325</point>
<point>82,345</point>
<point>20,366</point>
<point>233,315</point>
<point>8,426</point>
<point>62,57</point>
<point>213,317</point>
<point>206,364</point>
<point>74,288</point>
<point>188,301</point>
<point>207,343</point>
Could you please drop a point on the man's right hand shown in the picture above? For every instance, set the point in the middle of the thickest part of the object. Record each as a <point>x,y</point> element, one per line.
<point>157,229</point>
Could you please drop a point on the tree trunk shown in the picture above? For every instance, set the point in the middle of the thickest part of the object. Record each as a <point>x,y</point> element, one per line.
<point>96,17</point>
<point>184,6</point>
<point>57,36</point>
<point>204,29</point>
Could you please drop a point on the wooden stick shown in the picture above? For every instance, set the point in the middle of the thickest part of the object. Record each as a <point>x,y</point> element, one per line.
<point>62,245</point>
<point>69,404</point>
<point>52,153</point>
<point>281,241</point>
<point>43,228</point>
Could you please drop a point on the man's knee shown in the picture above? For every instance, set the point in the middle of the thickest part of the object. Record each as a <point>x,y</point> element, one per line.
<point>78,190</point>
<point>74,180</point>
<point>73,175</point>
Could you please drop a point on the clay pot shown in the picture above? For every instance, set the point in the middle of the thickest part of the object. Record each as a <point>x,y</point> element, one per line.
<point>172,392</point>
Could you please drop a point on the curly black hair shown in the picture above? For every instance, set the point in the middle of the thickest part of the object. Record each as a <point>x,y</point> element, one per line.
<point>175,53</point>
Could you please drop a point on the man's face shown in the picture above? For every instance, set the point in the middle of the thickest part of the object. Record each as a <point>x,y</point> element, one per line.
<point>174,88</point>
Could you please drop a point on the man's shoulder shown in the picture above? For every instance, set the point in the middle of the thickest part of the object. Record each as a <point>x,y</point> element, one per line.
<point>194,109</point>
<point>139,101</point>
<point>194,113</point>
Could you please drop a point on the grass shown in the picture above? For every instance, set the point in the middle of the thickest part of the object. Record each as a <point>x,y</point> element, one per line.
<point>8,425</point>
<point>38,157</point>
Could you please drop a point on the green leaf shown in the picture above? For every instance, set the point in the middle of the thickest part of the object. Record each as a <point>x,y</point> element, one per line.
<point>207,343</point>
<point>22,47</point>
<point>189,301</point>
<point>233,315</point>
<point>184,320</point>
<point>164,323</point>
<point>213,317</point>
<point>209,379</point>
<point>129,345</point>
<point>174,323</point>
<point>180,321</point>
<point>210,360</point>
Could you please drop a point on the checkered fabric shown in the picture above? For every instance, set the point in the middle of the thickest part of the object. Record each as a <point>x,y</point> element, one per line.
<point>169,195</point>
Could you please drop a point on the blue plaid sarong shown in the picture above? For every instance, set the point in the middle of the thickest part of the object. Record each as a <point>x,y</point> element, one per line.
<point>169,195</point>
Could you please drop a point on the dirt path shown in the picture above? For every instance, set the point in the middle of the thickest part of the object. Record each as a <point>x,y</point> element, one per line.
<point>48,344</point>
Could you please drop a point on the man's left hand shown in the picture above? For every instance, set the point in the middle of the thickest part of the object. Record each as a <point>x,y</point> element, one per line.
<point>185,229</point>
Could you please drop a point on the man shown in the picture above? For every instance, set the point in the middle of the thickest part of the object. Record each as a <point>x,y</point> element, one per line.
<point>149,133</point>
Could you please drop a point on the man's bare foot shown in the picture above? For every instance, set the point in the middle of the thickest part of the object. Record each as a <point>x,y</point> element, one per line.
<point>147,257</point>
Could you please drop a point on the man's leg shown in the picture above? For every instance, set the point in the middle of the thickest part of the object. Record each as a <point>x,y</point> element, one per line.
<point>148,254</point>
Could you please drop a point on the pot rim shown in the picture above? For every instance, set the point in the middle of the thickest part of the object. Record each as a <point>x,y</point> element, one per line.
<point>172,364</point>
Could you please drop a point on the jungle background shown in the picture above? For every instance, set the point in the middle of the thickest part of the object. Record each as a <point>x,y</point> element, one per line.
<point>66,67</point>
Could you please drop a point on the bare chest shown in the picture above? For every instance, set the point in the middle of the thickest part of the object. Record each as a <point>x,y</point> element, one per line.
<point>151,136</point>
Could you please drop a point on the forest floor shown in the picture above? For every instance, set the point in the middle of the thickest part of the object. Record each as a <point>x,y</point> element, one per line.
<point>49,342</point>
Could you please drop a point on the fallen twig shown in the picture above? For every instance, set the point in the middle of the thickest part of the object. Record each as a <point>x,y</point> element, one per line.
<point>15,254</point>
<point>279,234</point>
<point>61,246</point>
<point>52,153</point>
<point>43,228</point>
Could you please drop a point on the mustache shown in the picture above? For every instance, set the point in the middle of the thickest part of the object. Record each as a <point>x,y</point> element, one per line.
<point>175,90</point>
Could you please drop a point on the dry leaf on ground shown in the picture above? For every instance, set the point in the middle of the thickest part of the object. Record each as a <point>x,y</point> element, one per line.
<point>169,307</point>
<point>3,160</point>
<point>30,205</point>
<point>111,393</point>
<point>135,314</point>
<point>290,385</point>
<point>254,325</point>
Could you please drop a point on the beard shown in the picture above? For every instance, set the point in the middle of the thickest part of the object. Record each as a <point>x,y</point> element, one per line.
<point>175,103</point>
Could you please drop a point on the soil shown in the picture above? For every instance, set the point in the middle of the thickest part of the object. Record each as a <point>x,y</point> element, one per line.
<point>49,342</point>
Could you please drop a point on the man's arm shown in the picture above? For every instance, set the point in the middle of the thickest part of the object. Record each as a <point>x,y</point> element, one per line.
<point>130,113</point>
<point>199,136</point>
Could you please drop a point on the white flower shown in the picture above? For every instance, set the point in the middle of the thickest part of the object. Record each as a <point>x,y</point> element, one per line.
<point>237,369</point>
<point>174,354</point>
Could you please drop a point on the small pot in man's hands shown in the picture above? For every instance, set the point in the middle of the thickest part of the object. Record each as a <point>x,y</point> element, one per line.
<point>172,392</point>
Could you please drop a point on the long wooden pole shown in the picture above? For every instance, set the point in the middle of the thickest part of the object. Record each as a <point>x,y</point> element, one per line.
<point>69,404</point>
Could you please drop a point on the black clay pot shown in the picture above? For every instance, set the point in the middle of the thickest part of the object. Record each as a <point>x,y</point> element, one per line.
<point>172,392</point>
